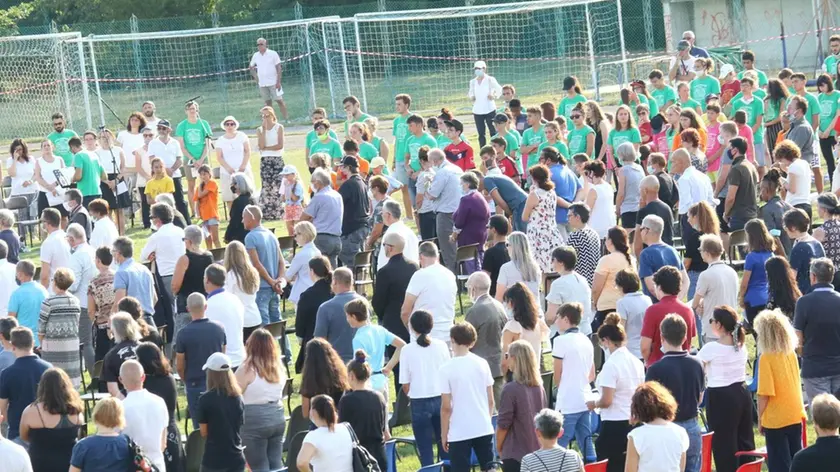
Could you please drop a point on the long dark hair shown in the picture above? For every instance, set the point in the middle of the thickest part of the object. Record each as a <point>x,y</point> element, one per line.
<point>56,393</point>
<point>18,142</point>
<point>781,285</point>
<point>324,405</point>
<point>618,237</point>
<point>525,309</point>
<point>422,323</point>
<point>321,267</point>
<point>730,320</point>
<point>323,370</point>
<point>152,359</point>
<point>776,92</point>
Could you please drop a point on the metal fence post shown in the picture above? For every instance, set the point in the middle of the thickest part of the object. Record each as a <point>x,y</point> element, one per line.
<point>329,67</point>
<point>135,50</point>
<point>385,41</point>
<point>361,67</point>
<point>220,60</point>
<point>621,39</point>
<point>591,49</point>
<point>96,83</point>
<point>343,55</point>
<point>62,73</point>
<point>298,11</point>
<point>80,50</point>
<point>309,60</point>
<point>647,16</point>
<point>471,41</point>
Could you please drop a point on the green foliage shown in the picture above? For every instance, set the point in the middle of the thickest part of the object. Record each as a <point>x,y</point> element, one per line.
<point>10,17</point>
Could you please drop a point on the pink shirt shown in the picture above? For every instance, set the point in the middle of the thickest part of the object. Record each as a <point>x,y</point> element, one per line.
<point>745,132</point>
<point>713,145</point>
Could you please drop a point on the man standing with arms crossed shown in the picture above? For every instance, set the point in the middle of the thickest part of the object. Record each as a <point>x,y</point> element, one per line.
<point>267,70</point>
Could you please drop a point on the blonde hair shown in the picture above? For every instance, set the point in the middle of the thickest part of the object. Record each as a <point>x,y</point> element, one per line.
<point>320,160</point>
<point>775,333</point>
<point>224,382</point>
<point>270,111</point>
<point>237,260</point>
<point>372,123</point>
<point>263,356</point>
<point>109,413</point>
<point>525,368</point>
<point>307,230</point>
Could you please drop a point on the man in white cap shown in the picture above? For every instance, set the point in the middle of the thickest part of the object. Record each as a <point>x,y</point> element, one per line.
<point>267,71</point>
<point>149,110</point>
<point>484,90</point>
<point>377,167</point>
<point>169,151</point>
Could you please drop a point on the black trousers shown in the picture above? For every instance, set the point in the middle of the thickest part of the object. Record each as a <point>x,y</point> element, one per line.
<point>145,208</point>
<point>827,148</point>
<point>628,220</point>
<point>428,225</point>
<point>180,202</point>
<point>511,465</point>
<point>612,444</point>
<point>481,123</point>
<point>730,415</point>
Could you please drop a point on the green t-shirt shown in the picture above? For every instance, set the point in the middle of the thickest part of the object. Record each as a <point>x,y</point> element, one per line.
<point>577,140</point>
<point>533,138</point>
<point>669,136</point>
<point>362,117</point>
<point>813,104</point>
<point>701,87</point>
<point>690,103</point>
<point>830,65</point>
<point>664,95</point>
<point>413,145</point>
<point>753,110</point>
<point>368,151</point>
<point>559,145</point>
<point>330,147</point>
<point>312,136</point>
<point>400,135</point>
<point>61,144</point>
<point>442,141</point>
<point>617,138</point>
<point>828,109</point>
<point>568,104</point>
<point>771,110</point>
<point>513,140</point>
<point>91,171</point>
<point>758,93</point>
<point>195,137</point>
<point>762,77</point>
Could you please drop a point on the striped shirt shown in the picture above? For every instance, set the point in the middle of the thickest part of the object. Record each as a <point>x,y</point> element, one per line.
<point>557,459</point>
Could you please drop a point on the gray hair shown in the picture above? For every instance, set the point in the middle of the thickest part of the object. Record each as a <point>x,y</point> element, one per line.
<point>436,156</point>
<point>689,33</point>
<point>522,256</point>
<point>166,198</point>
<point>77,232</point>
<point>7,218</point>
<point>654,224</point>
<point>428,249</point>
<point>626,152</point>
<point>322,177</point>
<point>548,423</point>
<point>480,281</point>
<point>393,208</point>
<point>255,212</point>
<point>470,179</point>
<point>124,327</point>
<point>196,302</point>
<point>193,234</point>
<point>124,246</point>
<point>242,182</point>
<point>822,269</point>
<point>131,373</point>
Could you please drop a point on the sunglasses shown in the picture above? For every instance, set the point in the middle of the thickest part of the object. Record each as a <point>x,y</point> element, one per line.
<point>575,117</point>
<point>162,128</point>
<point>148,136</point>
<point>230,123</point>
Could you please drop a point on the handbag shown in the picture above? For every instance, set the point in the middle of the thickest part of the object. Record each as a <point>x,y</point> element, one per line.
<point>137,460</point>
<point>363,461</point>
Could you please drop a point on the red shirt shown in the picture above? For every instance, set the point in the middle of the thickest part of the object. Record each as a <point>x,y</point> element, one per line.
<point>727,91</point>
<point>646,130</point>
<point>461,155</point>
<point>508,167</point>
<point>653,318</point>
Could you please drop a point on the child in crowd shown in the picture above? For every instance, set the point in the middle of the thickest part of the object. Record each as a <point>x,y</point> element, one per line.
<point>631,307</point>
<point>160,183</point>
<point>207,197</point>
<point>293,196</point>
<point>645,128</point>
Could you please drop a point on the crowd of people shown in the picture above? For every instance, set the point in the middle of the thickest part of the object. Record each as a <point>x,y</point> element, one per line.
<point>615,242</point>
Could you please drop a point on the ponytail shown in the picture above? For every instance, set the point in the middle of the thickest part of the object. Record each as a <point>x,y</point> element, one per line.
<point>422,323</point>
<point>359,367</point>
<point>618,237</point>
<point>730,320</point>
<point>324,405</point>
<point>611,329</point>
<point>321,267</point>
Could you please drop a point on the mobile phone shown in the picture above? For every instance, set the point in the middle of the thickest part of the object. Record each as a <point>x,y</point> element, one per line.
<point>775,233</point>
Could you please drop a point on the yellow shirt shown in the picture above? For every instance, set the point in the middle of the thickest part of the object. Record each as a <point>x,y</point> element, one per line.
<point>778,379</point>
<point>721,118</point>
<point>156,187</point>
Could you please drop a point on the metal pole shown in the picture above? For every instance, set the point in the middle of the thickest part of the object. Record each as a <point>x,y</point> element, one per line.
<point>593,69</point>
<point>135,48</point>
<point>666,18</point>
<point>782,33</point>
<point>329,68</point>
<point>220,62</point>
<point>65,88</point>
<point>96,84</point>
<point>344,56</point>
<point>361,68</point>
<point>817,25</point>
<point>85,94</point>
<point>621,40</point>
<point>311,74</point>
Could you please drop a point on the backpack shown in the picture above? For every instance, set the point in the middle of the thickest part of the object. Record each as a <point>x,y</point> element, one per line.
<point>137,460</point>
<point>363,461</point>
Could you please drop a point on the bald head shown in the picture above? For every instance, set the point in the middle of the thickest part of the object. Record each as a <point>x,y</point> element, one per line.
<point>396,243</point>
<point>649,188</point>
<point>680,161</point>
<point>132,375</point>
<point>436,156</point>
<point>478,284</point>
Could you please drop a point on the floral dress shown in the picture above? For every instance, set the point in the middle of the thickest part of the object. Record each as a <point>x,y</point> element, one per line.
<point>271,168</point>
<point>542,228</point>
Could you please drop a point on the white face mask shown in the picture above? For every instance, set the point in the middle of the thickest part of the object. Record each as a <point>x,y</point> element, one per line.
<point>721,139</point>
<point>479,73</point>
<point>650,169</point>
<point>700,73</point>
<point>67,206</point>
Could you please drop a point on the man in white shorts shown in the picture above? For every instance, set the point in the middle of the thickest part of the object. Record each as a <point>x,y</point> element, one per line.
<point>267,70</point>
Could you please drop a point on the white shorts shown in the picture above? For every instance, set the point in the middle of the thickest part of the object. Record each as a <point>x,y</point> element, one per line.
<point>224,183</point>
<point>271,93</point>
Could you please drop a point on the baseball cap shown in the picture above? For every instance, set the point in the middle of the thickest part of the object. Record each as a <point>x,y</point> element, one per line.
<point>288,170</point>
<point>164,123</point>
<point>217,362</point>
<point>377,162</point>
<point>148,128</point>
<point>683,45</point>
<point>637,83</point>
<point>480,65</point>
<point>725,70</point>
<point>455,124</point>
<point>350,161</point>
<point>712,96</point>
<point>500,118</point>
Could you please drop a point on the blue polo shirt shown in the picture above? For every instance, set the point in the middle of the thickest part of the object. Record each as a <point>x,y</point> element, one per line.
<point>137,281</point>
<point>511,193</point>
<point>653,258</point>
<point>18,385</point>
<point>268,251</point>
<point>566,186</point>
<point>26,302</point>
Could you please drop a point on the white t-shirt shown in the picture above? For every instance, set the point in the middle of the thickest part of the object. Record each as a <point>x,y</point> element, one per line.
<point>168,245</point>
<point>718,285</point>
<point>266,64</point>
<point>603,214</point>
<point>334,449</point>
<point>412,244</point>
<point>104,233</point>
<point>146,418</point>
<point>509,275</point>
<point>226,309</point>
<point>24,171</point>
<point>249,301</point>
<point>686,66</point>
<point>110,164</point>
<point>724,365</point>
<point>577,353</point>
<point>571,288</point>
<point>48,174</point>
<point>15,457</point>
<point>168,152</point>
<point>420,366</point>
<point>233,150</point>
<point>7,285</point>
<point>131,142</point>
<point>435,288</point>
<point>466,378</point>
<point>623,372</point>
<point>660,446</point>
<point>141,160</point>
<point>534,336</point>
<point>55,250</point>
<point>631,308</point>
<point>801,170</point>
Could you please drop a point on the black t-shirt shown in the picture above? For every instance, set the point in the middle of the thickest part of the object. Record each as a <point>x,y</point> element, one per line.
<point>744,207</point>
<point>164,387</point>
<point>365,411</point>
<point>494,258</point>
<point>660,209</point>
<point>683,376</point>
<point>666,189</point>
<point>197,341</point>
<point>113,361</point>
<point>692,250</point>
<point>356,204</point>
<point>223,416</point>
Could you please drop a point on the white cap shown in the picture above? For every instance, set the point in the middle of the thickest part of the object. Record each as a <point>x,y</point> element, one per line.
<point>218,362</point>
<point>229,118</point>
<point>288,170</point>
<point>480,65</point>
<point>725,70</point>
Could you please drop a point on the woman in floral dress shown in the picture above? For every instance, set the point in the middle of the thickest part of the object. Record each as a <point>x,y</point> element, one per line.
<point>270,144</point>
<point>540,213</point>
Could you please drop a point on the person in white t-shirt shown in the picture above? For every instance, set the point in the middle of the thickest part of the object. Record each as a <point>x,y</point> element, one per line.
<point>233,151</point>
<point>328,447</point>
<point>420,362</point>
<point>799,176</point>
<point>15,457</point>
<point>392,218</point>
<point>7,279</point>
<point>146,415</point>
<point>432,288</point>
<point>617,381</point>
<point>658,445</point>
<point>55,250</point>
<point>225,308</point>
<point>574,369</point>
<point>466,403</point>
<point>717,285</point>
<point>267,71</point>
<point>569,287</point>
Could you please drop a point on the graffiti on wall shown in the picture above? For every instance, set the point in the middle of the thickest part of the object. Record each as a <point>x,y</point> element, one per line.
<point>719,26</point>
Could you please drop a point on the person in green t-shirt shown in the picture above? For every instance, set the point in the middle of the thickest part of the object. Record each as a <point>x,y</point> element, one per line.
<point>830,63</point>
<point>753,106</point>
<point>317,114</point>
<point>574,95</point>
<point>438,131</point>
<point>325,143</point>
<point>532,137</point>
<point>662,93</point>
<point>60,138</point>
<point>89,171</point>
<point>417,137</point>
<point>829,111</point>
<point>402,104</point>
<point>194,136</point>
<point>799,82</point>
<point>512,137</point>
<point>640,96</point>
<point>625,131</point>
<point>703,84</point>
<point>552,138</point>
<point>684,99</point>
<point>353,108</point>
<point>748,61</point>
<point>774,105</point>
<point>581,136</point>
<point>360,134</point>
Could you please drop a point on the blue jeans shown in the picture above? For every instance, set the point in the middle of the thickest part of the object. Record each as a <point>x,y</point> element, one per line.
<point>194,390</point>
<point>517,223</point>
<point>425,421</point>
<point>578,426</point>
<point>461,453</point>
<point>693,455</point>
<point>268,301</point>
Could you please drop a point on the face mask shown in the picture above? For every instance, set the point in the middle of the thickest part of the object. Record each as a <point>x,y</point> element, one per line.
<point>67,206</point>
<point>479,72</point>
<point>509,312</point>
<point>701,73</point>
<point>324,137</point>
<point>721,139</point>
<point>233,188</point>
<point>650,169</point>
